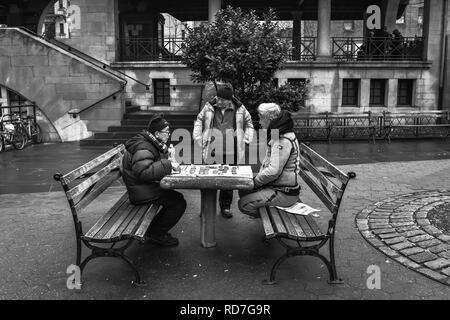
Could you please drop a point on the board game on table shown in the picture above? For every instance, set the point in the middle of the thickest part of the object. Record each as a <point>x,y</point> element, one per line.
<point>215,170</point>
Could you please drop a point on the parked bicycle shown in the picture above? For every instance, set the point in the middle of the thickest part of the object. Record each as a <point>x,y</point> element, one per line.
<point>9,134</point>
<point>30,128</point>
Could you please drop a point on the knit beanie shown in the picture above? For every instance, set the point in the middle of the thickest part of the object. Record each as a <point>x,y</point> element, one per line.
<point>225,91</point>
<point>157,123</point>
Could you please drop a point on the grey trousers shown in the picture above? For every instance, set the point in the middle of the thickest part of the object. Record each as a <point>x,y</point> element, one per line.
<point>250,202</point>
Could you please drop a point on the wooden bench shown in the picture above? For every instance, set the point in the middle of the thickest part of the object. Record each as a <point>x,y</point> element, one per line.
<point>415,121</point>
<point>300,235</point>
<point>346,123</point>
<point>123,223</point>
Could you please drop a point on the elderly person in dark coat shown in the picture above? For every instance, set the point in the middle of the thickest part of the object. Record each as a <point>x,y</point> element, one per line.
<point>144,164</point>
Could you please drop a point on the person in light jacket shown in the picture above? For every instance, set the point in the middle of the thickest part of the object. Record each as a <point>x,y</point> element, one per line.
<point>277,183</point>
<point>226,117</point>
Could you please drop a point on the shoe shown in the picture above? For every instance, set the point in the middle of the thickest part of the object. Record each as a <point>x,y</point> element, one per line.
<point>226,213</point>
<point>165,240</point>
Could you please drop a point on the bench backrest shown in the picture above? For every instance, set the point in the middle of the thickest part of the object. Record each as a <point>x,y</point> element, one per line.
<point>324,179</point>
<point>87,182</point>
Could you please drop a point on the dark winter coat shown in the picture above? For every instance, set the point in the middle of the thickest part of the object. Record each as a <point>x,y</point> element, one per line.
<point>144,164</point>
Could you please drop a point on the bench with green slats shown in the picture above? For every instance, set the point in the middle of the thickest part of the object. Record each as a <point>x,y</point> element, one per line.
<point>329,184</point>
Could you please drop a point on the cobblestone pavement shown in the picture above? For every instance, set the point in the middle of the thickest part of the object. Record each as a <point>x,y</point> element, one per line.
<point>37,244</point>
<point>399,227</point>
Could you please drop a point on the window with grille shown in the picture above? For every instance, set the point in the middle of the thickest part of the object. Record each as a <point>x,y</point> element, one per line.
<point>420,16</point>
<point>16,99</point>
<point>377,92</point>
<point>162,91</point>
<point>405,92</point>
<point>350,89</point>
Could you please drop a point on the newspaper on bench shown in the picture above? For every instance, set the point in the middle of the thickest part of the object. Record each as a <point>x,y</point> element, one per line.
<point>300,208</point>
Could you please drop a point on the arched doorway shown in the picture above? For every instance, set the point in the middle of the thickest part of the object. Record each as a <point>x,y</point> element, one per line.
<point>11,101</point>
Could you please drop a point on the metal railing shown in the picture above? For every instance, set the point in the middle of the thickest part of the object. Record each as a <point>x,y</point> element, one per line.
<point>368,125</point>
<point>151,49</point>
<point>301,48</point>
<point>377,49</point>
<point>87,58</point>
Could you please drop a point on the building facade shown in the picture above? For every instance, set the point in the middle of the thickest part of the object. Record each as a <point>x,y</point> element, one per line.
<point>77,80</point>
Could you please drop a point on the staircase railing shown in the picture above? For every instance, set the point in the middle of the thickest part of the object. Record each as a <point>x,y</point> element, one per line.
<point>75,112</point>
<point>86,57</point>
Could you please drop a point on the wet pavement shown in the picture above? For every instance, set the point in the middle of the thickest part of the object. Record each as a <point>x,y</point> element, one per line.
<point>32,169</point>
<point>37,241</point>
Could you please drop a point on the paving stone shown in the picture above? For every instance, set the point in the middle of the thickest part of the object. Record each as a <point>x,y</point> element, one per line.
<point>381,231</point>
<point>402,220</point>
<point>445,254</point>
<point>412,233</point>
<point>402,224</point>
<point>388,235</point>
<point>422,257</point>
<point>378,220</point>
<point>376,242</point>
<point>379,226</point>
<point>420,238</point>
<point>438,263</point>
<point>402,245</point>
<point>444,238</point>
<point>421,214</point>
<point>432,230</point>
<point>389,251</point>
<point>428,243</point>
<point>446,271</point>
<point>432,274</point>
<point>410,251</point>
<point>395,240</point>
<point>407,228</point>
<point>407,262</point>
<point>439,248</point>
<point>423,222</point>
<point>367,234</point>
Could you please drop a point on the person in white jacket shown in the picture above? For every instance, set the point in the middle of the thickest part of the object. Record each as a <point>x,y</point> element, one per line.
<point>277,183</point>
<point>224,116</point>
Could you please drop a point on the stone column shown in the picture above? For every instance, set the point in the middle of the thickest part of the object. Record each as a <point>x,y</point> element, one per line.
<point>296,34</point>
<point>392,90</point>
<point>432,50</point>
<point>389,14</point>
<point>364,95</point>
<point>323,30</point>
<point>213,7</point>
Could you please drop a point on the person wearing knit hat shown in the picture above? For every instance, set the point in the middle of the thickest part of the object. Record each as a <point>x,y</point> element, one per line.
<point>224,114</point>
<point>225,91</point>
<point>144,164</point>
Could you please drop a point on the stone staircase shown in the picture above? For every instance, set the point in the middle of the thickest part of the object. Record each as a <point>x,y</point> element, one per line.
<point>134,121</point>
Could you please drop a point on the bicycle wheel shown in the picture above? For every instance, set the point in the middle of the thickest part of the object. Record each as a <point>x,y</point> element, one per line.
<point>23,130</point>
<point>36,133</point>
<point>18,140</point>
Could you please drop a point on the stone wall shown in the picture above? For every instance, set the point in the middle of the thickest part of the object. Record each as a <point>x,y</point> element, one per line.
<point>326,84</point>
<point>184,94</point>
<point>58,82</point>
<point>98,30</point>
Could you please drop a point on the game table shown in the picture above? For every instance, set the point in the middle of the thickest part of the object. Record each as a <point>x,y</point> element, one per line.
<point>208,179</point>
